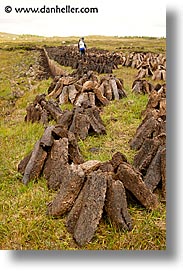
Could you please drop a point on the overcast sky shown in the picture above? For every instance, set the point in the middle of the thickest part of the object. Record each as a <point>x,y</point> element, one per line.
<point>114,17</point>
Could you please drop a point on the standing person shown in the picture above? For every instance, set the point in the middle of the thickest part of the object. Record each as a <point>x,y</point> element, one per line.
<point>82,46</point>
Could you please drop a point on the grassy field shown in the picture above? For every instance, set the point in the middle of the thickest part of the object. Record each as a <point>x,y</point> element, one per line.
<point>23,222</point>
<point>125,44</point>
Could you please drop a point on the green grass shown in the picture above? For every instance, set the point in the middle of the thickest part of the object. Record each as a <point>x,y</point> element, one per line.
<point>23,221</point>
<point>121,119</point>
<point>111,43</point>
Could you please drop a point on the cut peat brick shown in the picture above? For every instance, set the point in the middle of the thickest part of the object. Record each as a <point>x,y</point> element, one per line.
<point>92,207</point>
<point>133,182</point>
<point>116,205</point>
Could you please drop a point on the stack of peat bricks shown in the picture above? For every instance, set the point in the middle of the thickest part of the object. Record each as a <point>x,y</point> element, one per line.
<point>40,69</point>
<point>150,141</point>
<point>42,110</point>
<point>82,120</point>
<point>87,191</point>
<point>76,89</point>
<point>142,86</point>
<point>148,64</point>
<point>101,61</point>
